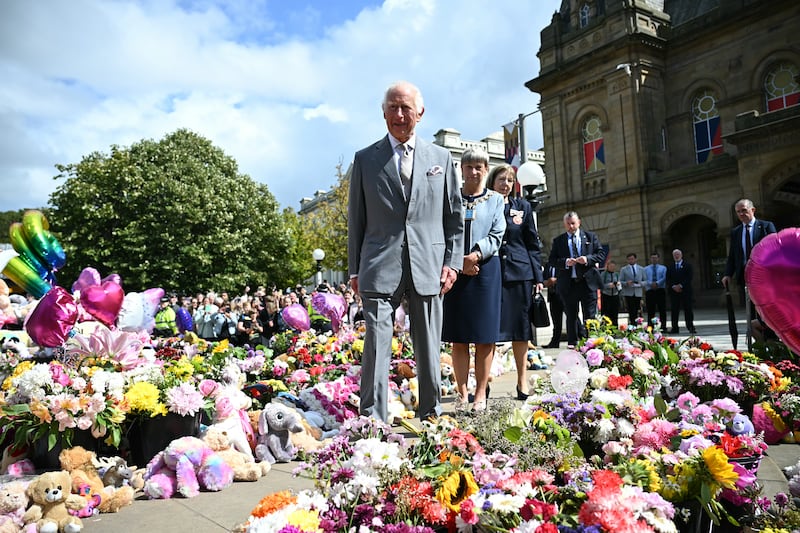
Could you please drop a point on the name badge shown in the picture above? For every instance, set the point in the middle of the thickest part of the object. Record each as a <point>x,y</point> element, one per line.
<point>469,214</point>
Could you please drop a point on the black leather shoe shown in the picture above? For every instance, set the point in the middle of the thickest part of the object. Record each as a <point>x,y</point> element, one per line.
<point>552,345</point>
<point>521,395</point>
<point>673,331</point>
<point>693,331</point>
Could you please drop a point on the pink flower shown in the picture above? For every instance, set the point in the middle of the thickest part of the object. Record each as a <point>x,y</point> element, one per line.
<point>58,374</point>
<point>594,357</point>
<point>208,387</point>
<point>224,407</point>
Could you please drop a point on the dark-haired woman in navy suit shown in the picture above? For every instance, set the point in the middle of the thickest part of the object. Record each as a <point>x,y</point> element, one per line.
<point>521,270</point>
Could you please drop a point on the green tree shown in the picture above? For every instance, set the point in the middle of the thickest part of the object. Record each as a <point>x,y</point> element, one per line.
<point>173,213</point>
<point>328,223</point>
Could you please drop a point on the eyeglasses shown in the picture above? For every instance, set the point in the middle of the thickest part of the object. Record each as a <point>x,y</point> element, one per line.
<point>742,211</point>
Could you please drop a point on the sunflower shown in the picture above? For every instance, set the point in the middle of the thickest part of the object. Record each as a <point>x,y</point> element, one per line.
<point>456,488</point>
<point>719,467</point>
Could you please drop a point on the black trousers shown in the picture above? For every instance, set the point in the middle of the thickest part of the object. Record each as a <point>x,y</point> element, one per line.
<point>556,314</point>
<point>577,293</point>
<point>656,300</point>
<point>678,301</point>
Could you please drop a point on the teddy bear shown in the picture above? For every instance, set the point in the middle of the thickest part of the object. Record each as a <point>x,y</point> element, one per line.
<point>82,466</point>
<point>275,424</point>
<point>184,467</point>
<point>13,503</point>
<point>115,472</point>
<point>741,425</point>
<point>51,502</point>
<point>448,383</point>
<point>244,466</point>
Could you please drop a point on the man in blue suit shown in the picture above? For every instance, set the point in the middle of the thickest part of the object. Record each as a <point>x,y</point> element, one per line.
<point>405,240</point>
<point>743,237</point>
<point>576,254</point>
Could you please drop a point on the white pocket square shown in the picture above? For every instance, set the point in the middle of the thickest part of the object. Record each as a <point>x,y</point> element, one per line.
<point>433,171</point>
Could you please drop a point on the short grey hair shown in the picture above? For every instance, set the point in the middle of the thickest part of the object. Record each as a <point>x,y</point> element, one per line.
<point>475,155</point>
<point>418,101</point>
<point>570,214</point>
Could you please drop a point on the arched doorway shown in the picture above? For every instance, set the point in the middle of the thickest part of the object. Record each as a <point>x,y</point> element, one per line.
<point>697,236</point>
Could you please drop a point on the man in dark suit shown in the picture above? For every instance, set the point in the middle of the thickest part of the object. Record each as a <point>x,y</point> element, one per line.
<point>743,237</point>
<point>405,239</point>
<point>576,254</point>
<point>679,282</point>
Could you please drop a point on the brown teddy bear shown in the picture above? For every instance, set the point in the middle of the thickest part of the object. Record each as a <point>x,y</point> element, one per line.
<point>13,503</point>
<point>52,501</point>
<point>244,467</point>
<point>80,463</point>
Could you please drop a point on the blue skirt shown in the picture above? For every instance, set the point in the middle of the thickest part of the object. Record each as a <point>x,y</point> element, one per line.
<point>472,306</point>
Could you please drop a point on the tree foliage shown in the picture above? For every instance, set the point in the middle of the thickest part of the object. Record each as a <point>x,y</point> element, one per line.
<point>173,213</point>
<point>328,223</point>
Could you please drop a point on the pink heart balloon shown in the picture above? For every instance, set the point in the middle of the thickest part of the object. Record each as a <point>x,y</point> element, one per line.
<point>51,321</point>
<point>296,317</point>
<point>103,301</point>
<point>89,276</point>
<point>774,286</point>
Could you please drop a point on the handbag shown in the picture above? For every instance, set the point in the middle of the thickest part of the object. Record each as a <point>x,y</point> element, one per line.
<point>538,314</point>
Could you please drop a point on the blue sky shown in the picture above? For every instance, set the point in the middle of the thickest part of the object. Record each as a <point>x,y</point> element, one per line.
<point>288,88</point>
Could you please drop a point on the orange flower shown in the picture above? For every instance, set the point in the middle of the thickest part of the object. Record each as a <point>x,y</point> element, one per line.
<point>273,502</point>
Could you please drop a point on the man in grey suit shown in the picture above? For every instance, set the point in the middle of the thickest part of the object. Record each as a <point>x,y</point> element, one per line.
<point>405,239</point>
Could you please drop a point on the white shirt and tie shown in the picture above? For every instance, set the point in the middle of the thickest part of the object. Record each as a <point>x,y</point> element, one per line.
<point>404,158</point>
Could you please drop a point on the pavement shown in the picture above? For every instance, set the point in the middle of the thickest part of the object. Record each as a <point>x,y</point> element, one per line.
<point>213,512</point>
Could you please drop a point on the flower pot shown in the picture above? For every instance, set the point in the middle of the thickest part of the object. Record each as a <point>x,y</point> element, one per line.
<point>44,459</point>
<point>148,436</point>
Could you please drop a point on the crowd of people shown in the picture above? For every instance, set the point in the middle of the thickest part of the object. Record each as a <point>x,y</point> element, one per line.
<point>249,318</point>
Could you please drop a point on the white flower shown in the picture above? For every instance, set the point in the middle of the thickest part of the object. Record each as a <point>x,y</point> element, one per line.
<point>598,378</point>
<point>643,366</point>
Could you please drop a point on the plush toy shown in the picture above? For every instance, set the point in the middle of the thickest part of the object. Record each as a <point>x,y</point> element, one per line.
<point>115,471</point>
<point>51,502</point>
<point>184,467</point>
<point>13,503</point>
<point>448,383</point>
<point>741,425</point>
<point>244,466</point>
<point>230,417</point>
<point>81,464</point>
<point>92,503</point>
<point>23,467</point>
<point>274,425</point>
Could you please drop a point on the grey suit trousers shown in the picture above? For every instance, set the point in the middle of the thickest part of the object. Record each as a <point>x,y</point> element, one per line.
<point>425,316</point>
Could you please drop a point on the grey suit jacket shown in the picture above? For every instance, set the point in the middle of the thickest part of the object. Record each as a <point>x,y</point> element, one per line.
<point>380,223</point>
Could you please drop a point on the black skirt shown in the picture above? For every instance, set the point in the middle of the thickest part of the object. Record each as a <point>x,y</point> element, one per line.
<point>514,322</point>
<point>472,306</point>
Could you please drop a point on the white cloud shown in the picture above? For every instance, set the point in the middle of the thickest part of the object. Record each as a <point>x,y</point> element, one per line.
<point>268,88</point>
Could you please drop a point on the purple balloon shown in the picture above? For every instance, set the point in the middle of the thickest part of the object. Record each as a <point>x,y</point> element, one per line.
<point>184,320</point>
<point>296,317</point>
<point>331,306</point>
<point>52,319</point>
<point>89,276</point>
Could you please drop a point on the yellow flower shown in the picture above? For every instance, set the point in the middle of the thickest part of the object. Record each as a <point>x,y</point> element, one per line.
<point>456,488</point>
<point>304,519</point>
<point>777,421</point>
<point>144,397</point>
<point>358,346</point>
<point>182,368</point>
<point>221,346</point>
<point>719,466</point>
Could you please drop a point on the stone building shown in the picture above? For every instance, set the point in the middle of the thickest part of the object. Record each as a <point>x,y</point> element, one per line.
<point>658,115</point>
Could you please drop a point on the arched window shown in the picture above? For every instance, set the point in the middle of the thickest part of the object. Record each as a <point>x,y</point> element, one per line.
<point>707,128</point>
<point>782,87</point>
<point>583,15</point>
<point>594,157</point>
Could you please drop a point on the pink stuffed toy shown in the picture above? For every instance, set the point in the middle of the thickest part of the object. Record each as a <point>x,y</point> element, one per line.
<point>186,466</point>
<point>767,421</point>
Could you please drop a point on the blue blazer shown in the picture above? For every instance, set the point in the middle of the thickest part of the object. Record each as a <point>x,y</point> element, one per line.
<point>682,276</point>
<point>735,265</point>
<point>520,251</point>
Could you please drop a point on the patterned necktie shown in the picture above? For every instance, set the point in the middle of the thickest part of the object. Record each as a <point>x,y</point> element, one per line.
<point>748,243</point>
<point>406,166</point>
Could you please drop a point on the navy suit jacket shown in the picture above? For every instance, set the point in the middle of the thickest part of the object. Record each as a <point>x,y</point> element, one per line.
<point>680,276</point>
<point>735,265</point>
<point>590,247</point>
<point>520,251</point>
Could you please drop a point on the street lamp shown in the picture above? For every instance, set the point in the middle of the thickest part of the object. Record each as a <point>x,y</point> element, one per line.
<point>530,177</point>
<point>318,254</point>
